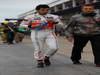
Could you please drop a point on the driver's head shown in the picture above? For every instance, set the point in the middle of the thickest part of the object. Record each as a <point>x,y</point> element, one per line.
<point>42,9</point>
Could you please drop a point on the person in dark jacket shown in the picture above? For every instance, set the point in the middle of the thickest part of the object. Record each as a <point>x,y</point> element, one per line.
<point>10,31</point>
<point>82,28</point>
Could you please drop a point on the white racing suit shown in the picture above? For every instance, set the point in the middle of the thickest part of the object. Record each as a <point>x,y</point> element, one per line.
<point>43,27</point>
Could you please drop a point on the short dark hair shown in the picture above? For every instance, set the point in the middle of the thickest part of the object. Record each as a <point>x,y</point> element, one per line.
<point>42,6</point>
<point>88,5</point>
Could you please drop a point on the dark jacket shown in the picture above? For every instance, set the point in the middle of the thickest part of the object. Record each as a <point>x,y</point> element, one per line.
<point>83,25</point>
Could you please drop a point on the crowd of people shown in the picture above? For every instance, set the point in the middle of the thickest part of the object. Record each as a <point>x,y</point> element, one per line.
<point>12,32</point>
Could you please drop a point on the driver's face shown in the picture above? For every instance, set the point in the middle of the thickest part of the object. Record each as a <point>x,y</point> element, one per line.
<point>88,9</point>
<point>43,11</point>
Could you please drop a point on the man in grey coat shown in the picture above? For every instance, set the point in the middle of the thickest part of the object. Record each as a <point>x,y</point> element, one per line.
<point>82,28</point>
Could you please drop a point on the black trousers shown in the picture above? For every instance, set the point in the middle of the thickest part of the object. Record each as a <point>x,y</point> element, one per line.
<point>80,42</point>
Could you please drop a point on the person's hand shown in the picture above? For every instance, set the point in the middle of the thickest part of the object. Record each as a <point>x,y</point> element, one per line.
<point>70,39</point>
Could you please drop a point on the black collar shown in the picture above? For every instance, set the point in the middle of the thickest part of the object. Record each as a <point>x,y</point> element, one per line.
<point>89,15</point>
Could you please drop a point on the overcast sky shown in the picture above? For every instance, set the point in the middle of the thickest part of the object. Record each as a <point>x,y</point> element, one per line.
<point>12,8</point>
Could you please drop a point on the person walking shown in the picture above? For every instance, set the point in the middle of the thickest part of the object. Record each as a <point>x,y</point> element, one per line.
<point>82,28</point>
<point>42,27</point>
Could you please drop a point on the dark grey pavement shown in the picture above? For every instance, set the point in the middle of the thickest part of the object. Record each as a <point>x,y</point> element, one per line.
<point>18,60</point>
